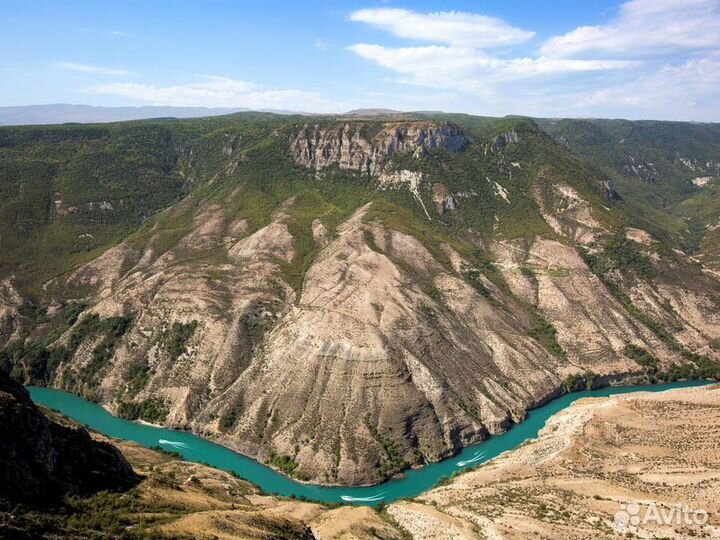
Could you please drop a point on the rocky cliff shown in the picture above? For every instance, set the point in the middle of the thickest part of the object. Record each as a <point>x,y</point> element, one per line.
<point>43,459</point>
<point>365,149</point>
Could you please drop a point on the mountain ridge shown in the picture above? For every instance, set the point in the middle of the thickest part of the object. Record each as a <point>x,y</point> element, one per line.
<point>342,299</point>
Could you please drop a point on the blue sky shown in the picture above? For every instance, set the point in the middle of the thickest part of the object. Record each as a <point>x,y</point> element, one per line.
<point>635,59</point>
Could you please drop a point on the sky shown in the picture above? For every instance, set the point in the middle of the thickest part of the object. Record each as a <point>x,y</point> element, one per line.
<point>656,59</point>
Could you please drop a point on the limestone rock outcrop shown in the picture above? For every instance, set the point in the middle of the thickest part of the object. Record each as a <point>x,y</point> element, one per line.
<point>355,147</point>
<point>444,200</point>
<point>504,139</point>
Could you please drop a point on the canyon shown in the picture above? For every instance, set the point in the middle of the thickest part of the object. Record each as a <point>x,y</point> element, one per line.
<point>344,298</point>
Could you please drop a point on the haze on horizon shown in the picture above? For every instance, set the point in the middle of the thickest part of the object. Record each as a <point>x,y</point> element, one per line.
<point>639,59</point>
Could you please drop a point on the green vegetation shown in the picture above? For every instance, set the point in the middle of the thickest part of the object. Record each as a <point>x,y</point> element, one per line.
<point>70,315</point>
<point>28,361</point>
<point>393,462</point>
<point>620,254</point>
<point>546,334</point>
<point>169,453</point>
<point>702,367</point>
<point>429,313</point>
<point>112,328</point>
<point>103,516</point>
<point>137,376</point>
<point>284,464</point>
<point>578,382</point>
<point>625,255</point>
<point>227,420</point>
<point>37,362</point>
<point>644,161</point>
<point>473,276</point>
<point>642,357</point>
<point>370,241</point>
<point>152,410</point>
<point>67,193</point>
<point>177,338</point>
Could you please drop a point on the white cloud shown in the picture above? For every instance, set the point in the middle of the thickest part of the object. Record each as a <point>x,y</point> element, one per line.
<point>463,59</point>
<point>213,91</point>
<point>655,59</point>
<point>645,27</point>
<point>466,68</point>
<point>685,92</point>
<point>85,68</point>
<point>320,44</point>
<point>451,27</point>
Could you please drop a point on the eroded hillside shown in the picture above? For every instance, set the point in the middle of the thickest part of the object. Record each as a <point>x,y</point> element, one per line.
<point>343,299</point>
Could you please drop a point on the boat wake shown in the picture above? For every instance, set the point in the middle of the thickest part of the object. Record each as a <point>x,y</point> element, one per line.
<point>372,498</point>
<point>477,457</point>
<point>175,444</point>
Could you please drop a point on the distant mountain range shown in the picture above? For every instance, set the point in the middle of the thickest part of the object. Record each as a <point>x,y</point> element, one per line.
<point>62,113</point>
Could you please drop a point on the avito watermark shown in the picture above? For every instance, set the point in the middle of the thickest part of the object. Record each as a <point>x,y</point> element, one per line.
<point>631,515</point>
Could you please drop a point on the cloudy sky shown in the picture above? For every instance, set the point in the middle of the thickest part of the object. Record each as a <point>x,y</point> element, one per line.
<point>635,59</point>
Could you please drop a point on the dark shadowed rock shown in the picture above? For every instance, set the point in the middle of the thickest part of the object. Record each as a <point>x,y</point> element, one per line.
<point>611,193</point>
<point>41,460</point>
<point>501,141</point>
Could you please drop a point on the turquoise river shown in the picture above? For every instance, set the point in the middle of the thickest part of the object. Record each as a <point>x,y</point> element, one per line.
<point>413,483</point>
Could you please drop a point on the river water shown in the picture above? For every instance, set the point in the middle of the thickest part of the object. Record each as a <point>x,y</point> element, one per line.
<point>414,482</point>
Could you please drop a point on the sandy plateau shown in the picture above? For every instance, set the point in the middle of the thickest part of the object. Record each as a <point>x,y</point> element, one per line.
<point>589,460</point>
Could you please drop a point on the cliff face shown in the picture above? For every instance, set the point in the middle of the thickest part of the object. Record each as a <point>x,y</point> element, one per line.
<point>42,460</point>
<point>353,147</point>
<point>10,304</point>
<point>504,139</point>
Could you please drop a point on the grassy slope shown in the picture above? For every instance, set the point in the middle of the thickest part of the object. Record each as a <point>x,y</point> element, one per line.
<point>131,168</point>
<point>113,179</point>
<point>660,197</point>
<point>110,179</point>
